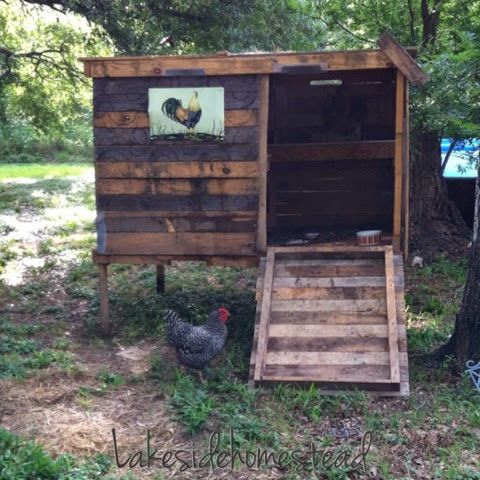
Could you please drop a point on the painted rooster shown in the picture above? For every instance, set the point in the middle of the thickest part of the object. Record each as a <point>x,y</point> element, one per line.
<point>189,117</point>
<point>197,346</point>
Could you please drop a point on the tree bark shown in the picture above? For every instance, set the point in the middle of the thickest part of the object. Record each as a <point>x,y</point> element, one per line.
<point>464,344</point>
<point>436,224</point>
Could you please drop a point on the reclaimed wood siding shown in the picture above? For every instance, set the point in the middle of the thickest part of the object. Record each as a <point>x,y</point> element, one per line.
<point>175,198</point>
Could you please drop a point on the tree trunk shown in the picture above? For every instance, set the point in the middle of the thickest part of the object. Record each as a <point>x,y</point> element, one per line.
<point>436,224</point>
<point>464,344</point>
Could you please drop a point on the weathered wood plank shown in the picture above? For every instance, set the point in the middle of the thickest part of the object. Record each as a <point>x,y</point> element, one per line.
<point>328,282</point>
<point>329,373</point>
<point>382,149</point>
<point>402,60</point>
<point>323,331</point>
<point>177,153</point>
<point>328,270</point>
<point>398,160</point>
<point>327,358</point>
<point>392,316</point>
<point>263,164</point>
<point>372,306</point>
<point>233,100</point>
<point>328,293</point>
<point>328,344</point>
<point>234,64</point>
<point>229,186</point>
<point>180,243</point>
<point>136,85</point>
<point>141,136</point>
<point>224,260</point>
<point>233,118</point>
<point>176,170</point>
<point>178,224</point>
<point>263,328</point>
<point>328,318</point>
<point>147,202</point>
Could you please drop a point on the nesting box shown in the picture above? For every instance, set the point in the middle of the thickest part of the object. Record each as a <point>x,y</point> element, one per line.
<point>221,157</point>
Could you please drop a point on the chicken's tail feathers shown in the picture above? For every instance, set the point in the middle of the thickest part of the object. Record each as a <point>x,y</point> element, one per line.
<point>174,327</point>
<point>169,107</point>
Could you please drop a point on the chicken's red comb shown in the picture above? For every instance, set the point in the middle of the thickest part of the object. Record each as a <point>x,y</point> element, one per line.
<point>224,313</point>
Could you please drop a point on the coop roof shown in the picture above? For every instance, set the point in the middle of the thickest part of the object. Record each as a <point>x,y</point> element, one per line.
<point>389,55</point>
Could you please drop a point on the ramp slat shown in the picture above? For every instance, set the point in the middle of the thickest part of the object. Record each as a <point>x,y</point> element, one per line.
<point>292,330</point>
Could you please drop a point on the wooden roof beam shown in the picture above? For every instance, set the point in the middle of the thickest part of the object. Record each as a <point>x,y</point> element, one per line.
<point>402,60</point>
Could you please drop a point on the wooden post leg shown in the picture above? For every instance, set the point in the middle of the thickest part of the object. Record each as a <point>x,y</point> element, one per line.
<point>160,278</point>
<point>104,310</point>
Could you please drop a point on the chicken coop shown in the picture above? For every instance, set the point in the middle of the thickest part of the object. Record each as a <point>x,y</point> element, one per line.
<point>273,160</point>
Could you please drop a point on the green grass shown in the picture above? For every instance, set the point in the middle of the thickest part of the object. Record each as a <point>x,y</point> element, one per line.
<point>27,460</point>
<point>21,355</point>
<point>41,171</point>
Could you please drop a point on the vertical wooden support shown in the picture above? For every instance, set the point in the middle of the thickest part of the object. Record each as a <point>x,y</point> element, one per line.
<point>263,165</point>
<point>104,310</point>
<point>264,315</point>
<point>406,174</point>
<point>160,278</point>
<point>398,160</point>
<point>392,316</point>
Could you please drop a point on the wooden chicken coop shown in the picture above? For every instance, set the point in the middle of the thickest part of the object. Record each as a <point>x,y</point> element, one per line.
<point>276,160</point>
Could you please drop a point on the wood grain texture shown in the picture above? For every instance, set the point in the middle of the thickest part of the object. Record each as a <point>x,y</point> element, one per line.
<point>155,170</point>
<point>233,118</point>
<point>141,136</point>
<point>177,153</point>
<point>229,186</point>
<point>139,85</point>
<point>329,344</point>
<point>234,64</point>
<point>243,98</point>
<point>319,331</point>
<point>166,224</point>
<point>402,60</point>
<point>327,358</point>
<point>398,160</point>
<point>374,150</point>
<point>263,328</point>
<point>185,203</point>
<point>263,165</point>
<point>180,243</point>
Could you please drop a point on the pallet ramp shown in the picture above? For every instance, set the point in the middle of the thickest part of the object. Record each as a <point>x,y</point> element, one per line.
<point>331,315</point>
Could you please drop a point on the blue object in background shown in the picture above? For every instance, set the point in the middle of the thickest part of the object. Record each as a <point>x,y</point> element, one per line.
<point>459,165</point>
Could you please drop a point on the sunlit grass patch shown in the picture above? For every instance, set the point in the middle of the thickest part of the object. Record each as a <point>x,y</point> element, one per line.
<point>18,171</point>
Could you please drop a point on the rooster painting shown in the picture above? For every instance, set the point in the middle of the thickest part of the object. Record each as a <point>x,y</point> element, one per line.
<point>197,346</point>
<point>189,117</point>
<point>192,114</point>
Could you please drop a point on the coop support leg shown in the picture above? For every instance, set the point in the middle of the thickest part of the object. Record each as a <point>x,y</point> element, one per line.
<point>104,308</point>
<point>160,278</point>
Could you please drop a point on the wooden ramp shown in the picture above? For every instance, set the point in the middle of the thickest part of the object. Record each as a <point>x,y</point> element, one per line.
<point>331,315</point>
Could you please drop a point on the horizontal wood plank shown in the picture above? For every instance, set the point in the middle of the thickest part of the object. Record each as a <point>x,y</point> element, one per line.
<point>329,344</point>
<point>177,153</point>
<point>229,186</point>
<point>139,85</point>
<point>233,64</point>
<point>325,282</point>
<point>176,170</point>
<point>328,318</point>
<point>323,331</point>
<point>328,293</point>
<point>372,306</point>
<point>147,202</point>
<point>233,118</point>
<point>327,358</point>
<point>332,151</point>
<point>164,224</point>
<point>141,136</point>
<point>180,243</point>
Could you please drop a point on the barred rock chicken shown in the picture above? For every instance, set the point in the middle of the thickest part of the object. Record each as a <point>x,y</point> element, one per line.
<point>196,346</point>
<point>189,117</point>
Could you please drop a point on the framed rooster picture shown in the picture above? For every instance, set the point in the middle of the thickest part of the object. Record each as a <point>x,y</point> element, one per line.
<point>195,114</point>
